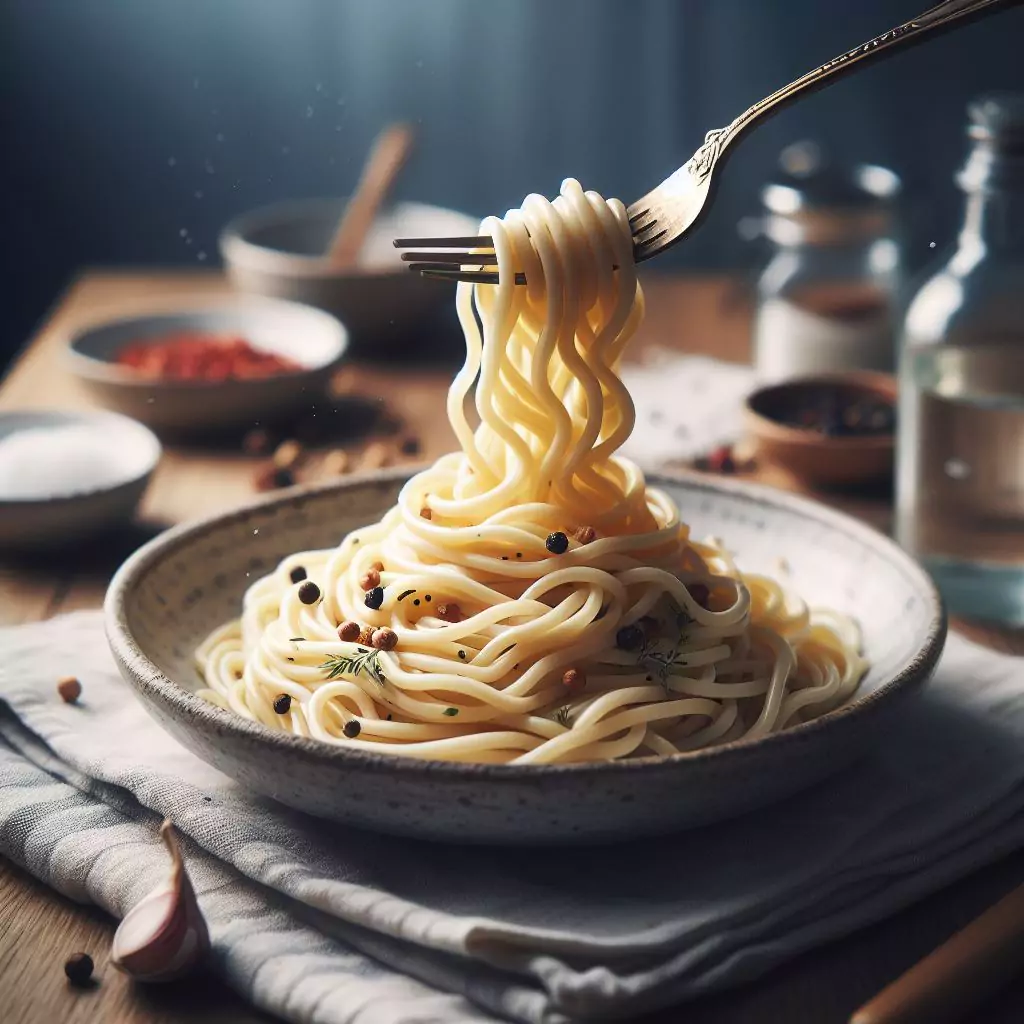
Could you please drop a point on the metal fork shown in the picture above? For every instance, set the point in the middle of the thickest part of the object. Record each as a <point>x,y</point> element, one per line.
<point>660,218</point>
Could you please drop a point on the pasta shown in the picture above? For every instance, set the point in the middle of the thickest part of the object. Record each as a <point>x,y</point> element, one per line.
<point>529,599</point>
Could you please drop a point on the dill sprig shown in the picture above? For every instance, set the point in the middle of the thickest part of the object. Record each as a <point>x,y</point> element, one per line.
<point>660,659</point>
<point>364,662</point>
<point>563,716</point>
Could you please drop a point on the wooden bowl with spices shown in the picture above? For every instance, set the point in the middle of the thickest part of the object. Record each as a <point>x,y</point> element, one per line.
<point>829,430</point>
<point>210,364</point>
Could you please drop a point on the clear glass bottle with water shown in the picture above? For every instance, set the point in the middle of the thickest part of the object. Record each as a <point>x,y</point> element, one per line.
<point>960,459</point>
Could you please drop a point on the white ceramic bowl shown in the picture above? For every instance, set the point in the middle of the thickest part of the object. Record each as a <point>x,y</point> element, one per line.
<point>310,337</point>
<point>278,250</point>
<point>69,516</point>
<point>166,598</point>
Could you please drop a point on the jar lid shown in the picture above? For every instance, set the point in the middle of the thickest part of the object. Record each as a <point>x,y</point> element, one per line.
<point>809,182</point>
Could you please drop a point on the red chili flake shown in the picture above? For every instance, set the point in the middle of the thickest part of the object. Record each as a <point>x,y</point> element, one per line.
<point>271,477</point>
<point>574,680</point>
<point>202,356</point>
<point>586,534</point>
<point>721,460</point>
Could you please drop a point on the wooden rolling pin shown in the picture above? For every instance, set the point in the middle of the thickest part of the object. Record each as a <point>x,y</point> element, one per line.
<point>973,964</point>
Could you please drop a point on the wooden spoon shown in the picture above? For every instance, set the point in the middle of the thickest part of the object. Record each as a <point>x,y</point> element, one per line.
<point>955,977</point>
<point>389,153</point>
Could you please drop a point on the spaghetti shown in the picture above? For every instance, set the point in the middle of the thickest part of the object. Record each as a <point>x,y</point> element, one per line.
<point>529,599</point>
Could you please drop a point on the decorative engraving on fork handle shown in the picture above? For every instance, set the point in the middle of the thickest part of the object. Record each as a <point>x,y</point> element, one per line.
<point>703,162</point>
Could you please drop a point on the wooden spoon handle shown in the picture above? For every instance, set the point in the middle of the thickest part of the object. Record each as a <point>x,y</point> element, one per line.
<point>389,153</point>
<point>971,965</point>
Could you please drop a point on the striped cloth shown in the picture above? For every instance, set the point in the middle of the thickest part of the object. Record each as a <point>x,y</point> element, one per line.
<point>316,922</point>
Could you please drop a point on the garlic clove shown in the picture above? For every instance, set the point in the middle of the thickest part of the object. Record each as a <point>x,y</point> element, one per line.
<point>164,935</point>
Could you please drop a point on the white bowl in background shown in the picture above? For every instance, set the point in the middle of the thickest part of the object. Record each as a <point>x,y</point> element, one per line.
<point>72,514</point>
<point>278,251</point>
<point>310,337</point>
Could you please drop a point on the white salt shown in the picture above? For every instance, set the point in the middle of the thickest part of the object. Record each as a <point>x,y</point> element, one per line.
<point>53,462</point>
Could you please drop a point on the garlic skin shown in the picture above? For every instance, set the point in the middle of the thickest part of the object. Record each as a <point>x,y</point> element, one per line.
<point>164,936</point>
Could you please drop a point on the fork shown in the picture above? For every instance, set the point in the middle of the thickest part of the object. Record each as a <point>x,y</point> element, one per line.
<point>669,211</point>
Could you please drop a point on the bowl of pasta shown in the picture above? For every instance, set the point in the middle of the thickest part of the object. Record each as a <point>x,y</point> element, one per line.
<point>529,641</point>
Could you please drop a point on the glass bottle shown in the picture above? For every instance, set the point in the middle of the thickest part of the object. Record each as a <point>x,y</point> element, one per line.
<point>826,299</point>
<point>960,455</point>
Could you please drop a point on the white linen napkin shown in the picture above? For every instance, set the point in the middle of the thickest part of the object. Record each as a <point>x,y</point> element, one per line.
<point>318,922</point>
<point>685,406</point>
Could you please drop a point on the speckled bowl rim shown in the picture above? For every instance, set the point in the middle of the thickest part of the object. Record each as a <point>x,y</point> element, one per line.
<point>151,682</point>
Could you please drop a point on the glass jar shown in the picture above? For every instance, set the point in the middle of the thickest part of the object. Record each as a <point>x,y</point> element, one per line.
<point>825,300</point>
<point>960,455</point>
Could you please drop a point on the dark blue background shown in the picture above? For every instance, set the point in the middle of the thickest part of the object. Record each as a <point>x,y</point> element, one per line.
<point>126,121</point>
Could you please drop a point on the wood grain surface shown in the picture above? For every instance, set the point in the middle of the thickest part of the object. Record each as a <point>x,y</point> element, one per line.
<point>39,928</point>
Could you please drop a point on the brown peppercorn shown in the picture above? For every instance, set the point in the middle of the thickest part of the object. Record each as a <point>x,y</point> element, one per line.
<point>449,612</point>
<point>335,463</point>
<point>384,639</point>
<point>410,446</point>
<point>375,456</point>
<point>574,680</point>
<point>309,592</point>
<point>369,579</point>
<point>69,688</point>
<point>282,703</point>
<point>287,454</point>
<point>585,534</point>
<point>425,513</point>
<point>349,631</point>
<point>366,636</point>
<point>79,967</point>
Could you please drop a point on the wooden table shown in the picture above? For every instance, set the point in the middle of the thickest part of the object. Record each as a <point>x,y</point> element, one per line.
<point>38,928</point>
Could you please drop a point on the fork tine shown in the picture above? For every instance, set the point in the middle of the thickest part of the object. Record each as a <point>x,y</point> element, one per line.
<point>474,258</point>
<point>465,242</point>
<point>473,276</point>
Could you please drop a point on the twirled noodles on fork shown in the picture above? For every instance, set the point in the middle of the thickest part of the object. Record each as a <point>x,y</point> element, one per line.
<point>529,599</point>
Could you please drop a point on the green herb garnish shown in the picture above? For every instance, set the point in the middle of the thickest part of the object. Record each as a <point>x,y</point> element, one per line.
<point>363,662</point>
<point>562,716</point>
<point>295,639</point>
<point>405,594</point>
<point>450,712</point>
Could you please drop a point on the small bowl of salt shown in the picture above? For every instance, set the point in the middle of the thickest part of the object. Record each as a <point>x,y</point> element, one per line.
<point>67,476</point>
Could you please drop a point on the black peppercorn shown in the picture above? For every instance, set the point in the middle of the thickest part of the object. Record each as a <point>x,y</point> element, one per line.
<point>557,543</point>
<point>462,655</point>
<point>374,598</point>
<point>282,703</point>
<point>298,574</point>
<point>78,968</point>
<point>352,729</point>
<point>309,592</point>
<point>629,638</point>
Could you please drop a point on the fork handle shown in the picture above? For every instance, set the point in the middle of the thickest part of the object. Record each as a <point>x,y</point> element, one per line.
<point>943,16</point>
